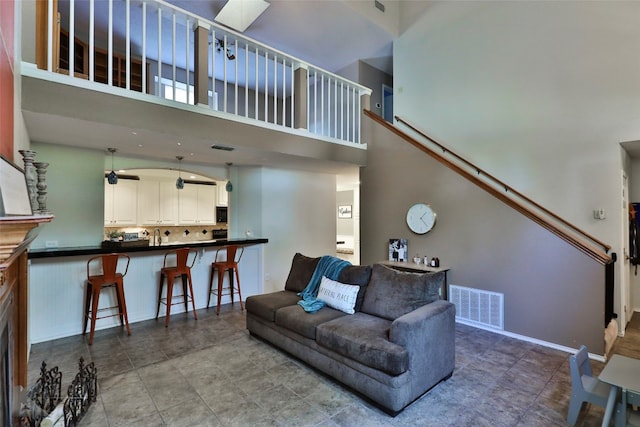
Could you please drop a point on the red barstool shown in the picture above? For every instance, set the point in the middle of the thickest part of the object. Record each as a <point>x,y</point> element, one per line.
<point>110,277</point>
<point>230,264</point>
<point>181,269</point>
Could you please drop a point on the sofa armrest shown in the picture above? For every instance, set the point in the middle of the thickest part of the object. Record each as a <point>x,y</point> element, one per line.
<point>428,335</point>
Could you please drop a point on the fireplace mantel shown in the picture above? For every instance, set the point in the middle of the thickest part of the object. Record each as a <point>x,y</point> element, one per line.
<point>16,233</point>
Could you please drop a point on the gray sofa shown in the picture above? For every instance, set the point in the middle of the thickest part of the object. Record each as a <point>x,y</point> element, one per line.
<point>399,343</point>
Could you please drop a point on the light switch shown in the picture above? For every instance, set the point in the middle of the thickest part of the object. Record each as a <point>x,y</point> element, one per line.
<point>599,214</point>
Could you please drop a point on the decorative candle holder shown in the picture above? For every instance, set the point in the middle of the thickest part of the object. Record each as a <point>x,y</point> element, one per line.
<point>30,176</point>
<point>41,170</point>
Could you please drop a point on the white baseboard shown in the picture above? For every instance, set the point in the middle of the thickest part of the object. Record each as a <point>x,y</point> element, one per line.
<point>569,350</point>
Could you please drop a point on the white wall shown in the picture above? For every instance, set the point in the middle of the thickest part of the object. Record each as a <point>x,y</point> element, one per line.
<point>293,209</point>
<point>539,94</point>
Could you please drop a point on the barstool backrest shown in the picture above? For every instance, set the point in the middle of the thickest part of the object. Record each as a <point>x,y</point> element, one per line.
<point>182,258</point>
<point>234,254</point>
<point>109,265</point>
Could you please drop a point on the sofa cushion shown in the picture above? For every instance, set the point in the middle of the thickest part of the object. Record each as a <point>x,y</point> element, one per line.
<point>338,295</point>
<point>356,275</point>
<point>299,321</point>
<point>302,268</point>
<point>364,338</point>
<point>393,293</point>
<point>266,305</point>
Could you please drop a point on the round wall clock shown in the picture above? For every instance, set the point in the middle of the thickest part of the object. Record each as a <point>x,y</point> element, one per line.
<point>421,218</point>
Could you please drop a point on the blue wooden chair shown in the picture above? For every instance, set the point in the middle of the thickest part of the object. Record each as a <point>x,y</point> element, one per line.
<point>584,386</point>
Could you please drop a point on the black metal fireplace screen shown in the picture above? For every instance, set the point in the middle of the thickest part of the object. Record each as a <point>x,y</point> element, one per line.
<point>44,404</point>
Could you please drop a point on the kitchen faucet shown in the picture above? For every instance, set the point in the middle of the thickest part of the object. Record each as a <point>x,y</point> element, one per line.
<point>156,233</point>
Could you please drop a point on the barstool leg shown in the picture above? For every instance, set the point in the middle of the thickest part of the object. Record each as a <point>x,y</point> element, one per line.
<point>193,301</point>
<point>210,285</point>
<point>87,304</point>
<point>231,284</point>
<point>95,295</point>
<point>123,305</point>
<point>185,295</point>
<point>169,295</point>
<point>239,293</point>
<point>220,283</point>
<point>159,294</point>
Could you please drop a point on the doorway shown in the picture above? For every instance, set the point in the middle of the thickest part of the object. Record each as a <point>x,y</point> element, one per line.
<point>387,103</point>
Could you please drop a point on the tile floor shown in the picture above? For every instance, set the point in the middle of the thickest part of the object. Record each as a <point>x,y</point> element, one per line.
<point>211,372</point>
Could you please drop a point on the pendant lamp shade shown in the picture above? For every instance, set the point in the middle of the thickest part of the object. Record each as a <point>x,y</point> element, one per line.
<point>112,178</point>
<point>179,181</point>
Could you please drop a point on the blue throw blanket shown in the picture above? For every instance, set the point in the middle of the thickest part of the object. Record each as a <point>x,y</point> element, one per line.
<point>328,266</point>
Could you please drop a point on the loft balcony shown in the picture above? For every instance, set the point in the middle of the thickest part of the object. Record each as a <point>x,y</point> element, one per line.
<point>148,67</point>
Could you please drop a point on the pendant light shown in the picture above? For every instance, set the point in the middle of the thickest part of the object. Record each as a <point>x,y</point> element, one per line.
<point>112,178</point>
<point>179,181</point>
<point>229,186</point>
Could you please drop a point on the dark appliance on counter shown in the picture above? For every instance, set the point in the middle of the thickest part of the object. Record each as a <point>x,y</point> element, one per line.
<point>219,234</point>
<point>221,214</point>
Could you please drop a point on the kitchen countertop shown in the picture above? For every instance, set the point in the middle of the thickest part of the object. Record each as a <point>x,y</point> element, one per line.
<point>98,249</point>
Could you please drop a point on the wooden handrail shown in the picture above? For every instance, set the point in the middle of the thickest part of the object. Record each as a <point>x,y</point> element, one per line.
<point>579,243</point>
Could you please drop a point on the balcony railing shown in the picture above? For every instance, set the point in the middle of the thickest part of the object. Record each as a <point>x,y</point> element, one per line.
<point>153,47</point>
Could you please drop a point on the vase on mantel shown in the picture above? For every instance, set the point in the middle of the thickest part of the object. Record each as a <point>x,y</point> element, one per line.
<point>41,170</point>
<point>30,176</point>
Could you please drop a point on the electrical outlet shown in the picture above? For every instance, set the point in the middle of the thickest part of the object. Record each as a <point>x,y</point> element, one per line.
<point>51,244</point>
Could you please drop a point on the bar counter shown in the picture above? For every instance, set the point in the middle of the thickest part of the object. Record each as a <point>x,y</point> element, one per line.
<point>97,250</point>
<point>57,285</point>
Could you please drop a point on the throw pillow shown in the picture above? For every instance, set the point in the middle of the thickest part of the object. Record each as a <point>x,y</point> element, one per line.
<point>393,293</point>
<point>302,268</point>
<point>357,275</point>
<point>338,295</point>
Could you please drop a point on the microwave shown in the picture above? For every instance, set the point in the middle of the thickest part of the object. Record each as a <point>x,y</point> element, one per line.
<point>221,214</point>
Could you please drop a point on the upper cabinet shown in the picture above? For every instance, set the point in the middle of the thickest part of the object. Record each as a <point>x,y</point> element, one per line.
<point>197,204</point>
<point>157,203</point>
<point>120,203</point>
<point>223,196</point>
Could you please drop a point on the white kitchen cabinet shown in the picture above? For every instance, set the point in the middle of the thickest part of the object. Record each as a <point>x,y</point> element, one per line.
<point>223,196</point>
<point>157,203</point>
<point>197,204</point>
<point>120,203</point>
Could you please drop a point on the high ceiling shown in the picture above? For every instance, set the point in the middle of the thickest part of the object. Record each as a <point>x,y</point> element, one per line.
<point>326,33</point>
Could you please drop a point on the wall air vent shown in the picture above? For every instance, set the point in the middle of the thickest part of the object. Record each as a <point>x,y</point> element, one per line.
<point>378,5</point>
<point>222,147</point>
<point>478,307</point>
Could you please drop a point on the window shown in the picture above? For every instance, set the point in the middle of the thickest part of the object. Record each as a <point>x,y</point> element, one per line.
<point>167,88</point>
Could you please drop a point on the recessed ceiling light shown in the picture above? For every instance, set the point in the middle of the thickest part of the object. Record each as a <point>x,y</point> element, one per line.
<point>140,145</point>
<point>134,132</point>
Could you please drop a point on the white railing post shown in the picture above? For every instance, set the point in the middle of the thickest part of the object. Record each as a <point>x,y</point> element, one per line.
<point>51,29</point>
<point>159,92</point>
<point>110,47</point>
<point>72,36</point>
<point>128,44</point>
<point>144,46</point>
<point>92,46</point>
<point>173,52</point>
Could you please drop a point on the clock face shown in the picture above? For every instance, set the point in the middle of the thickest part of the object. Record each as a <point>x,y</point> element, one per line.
<point>421,218</point>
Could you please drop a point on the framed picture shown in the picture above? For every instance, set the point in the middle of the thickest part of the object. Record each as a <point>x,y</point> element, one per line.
<point>14,195</point>
<point>344,211</point>
<point>398,250</point>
